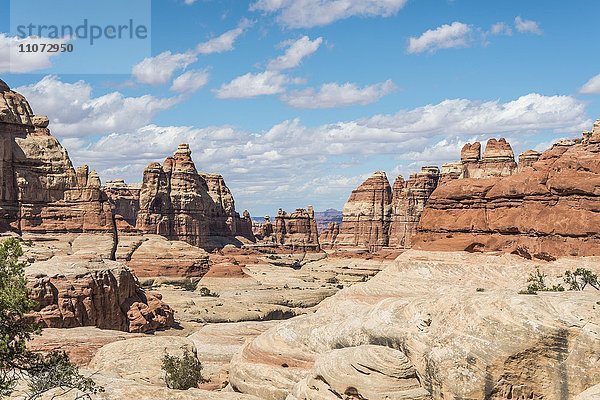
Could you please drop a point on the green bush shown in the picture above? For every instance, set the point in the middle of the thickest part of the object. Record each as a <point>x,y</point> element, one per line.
<point>579,279</point>
<point>182,373</point>
<point>43,372</point>
<point>188,285</point>
<point>205,292</point>
<point>55,370</point>
<point>537,283</point>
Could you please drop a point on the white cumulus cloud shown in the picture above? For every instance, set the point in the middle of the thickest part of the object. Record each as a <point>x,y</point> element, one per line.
<point>224,42</point>
<point>252,85</point>
<point>527,26</point>
<point>272,80</point>
<point>295,53</point>
<point>443,37</point>
<point>311,13</point>
<point>592,86</point>
<point>158,70</point>
<point>190,81</point>
<point>331,95</point>
<point>74,112</point>
<point>14,61</point>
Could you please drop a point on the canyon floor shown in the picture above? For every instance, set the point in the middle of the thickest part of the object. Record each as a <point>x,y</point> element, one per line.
<point>411,325</point>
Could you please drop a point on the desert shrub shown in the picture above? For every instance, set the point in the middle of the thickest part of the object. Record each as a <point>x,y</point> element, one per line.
<point>55,370</point>
<point>16,361</point>
<point>182,373</point>
<point>188,285</point>
<point>580,278</point>
<point>205,292</point>
<point>537,283</point>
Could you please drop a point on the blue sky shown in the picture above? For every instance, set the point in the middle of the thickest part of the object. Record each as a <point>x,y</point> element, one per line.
<point>296,102</point>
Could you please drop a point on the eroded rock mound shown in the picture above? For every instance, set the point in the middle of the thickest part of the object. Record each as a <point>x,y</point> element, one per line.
<point>363,372</point>
<point>552,206</point>
<point>180,203</point>
<point>71,292</point>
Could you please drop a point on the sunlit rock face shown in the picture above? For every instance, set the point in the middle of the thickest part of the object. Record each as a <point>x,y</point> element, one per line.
<point>180,203</point>
<point>549,206</point>
<point>40,191</point>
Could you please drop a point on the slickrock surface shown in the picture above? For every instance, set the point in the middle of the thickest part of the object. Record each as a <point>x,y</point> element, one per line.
<point>551,207</point>
<point>39,188</point>
<point>373,372</point>
<point>145,255</point>
<point>462,342</point>
<point>81,344</point>
<point>154,255</point>
<point>269,288</point>
<point>119,389</point>
<point>180,203</point>
<point>71,292</point>
<point>592,393</point>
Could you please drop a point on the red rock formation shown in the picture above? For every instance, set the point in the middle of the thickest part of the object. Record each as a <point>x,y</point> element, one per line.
<point>328,237</point>
<point>450,171</point>
<point>551,207</point>
<point>297,230</point>
<point>72,293</point>
<point>408,201</point>
<point>498,160</point>
<point>367,215</point>
<point>39,188</point>
<point>125,201</point>
<point>377,216</point>
<point>179,203</point>
<point>264,230</point>
<point>527,158</point>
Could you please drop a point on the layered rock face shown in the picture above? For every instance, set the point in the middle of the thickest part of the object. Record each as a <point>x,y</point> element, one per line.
<point>39,188</point>
<point>71,292</point>
<point>366,215</point>
<point>550,207</point>
<point>377,215</point>
<point>180,203</point>
<point>421,328</point>
<point>408,201</point>
<point>124,199</point>
<point>297,230</point>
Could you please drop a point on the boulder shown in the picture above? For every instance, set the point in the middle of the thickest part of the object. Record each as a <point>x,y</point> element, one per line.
<point>73,292</point>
